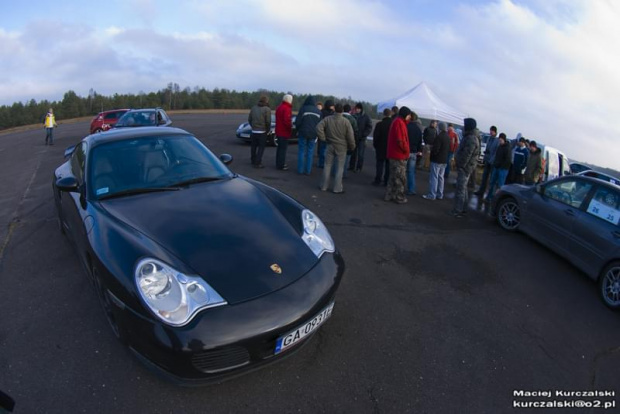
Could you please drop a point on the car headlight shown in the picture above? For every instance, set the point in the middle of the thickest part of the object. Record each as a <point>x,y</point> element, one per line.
<point>171,295</point>
<point>315,234</point>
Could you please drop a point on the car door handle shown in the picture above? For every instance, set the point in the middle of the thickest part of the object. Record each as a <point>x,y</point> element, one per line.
<point>616,234</point>
<point>569,212</point>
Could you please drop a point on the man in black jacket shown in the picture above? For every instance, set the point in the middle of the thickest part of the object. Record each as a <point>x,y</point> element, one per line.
<point>364,128</point>
<point>379,142</point>
<point>439,160</point>
<point>260,122</point>
<point>501,165</point>
<point>307,120</point>
<point>414,131</point>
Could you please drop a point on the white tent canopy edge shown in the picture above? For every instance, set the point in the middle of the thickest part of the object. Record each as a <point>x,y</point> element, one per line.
<point>424,102</point>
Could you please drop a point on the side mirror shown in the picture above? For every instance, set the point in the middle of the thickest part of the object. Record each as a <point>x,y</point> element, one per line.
<point>539,189</point>
<point>69,151</point>
<point>68,184</point>
<point>227,159</point>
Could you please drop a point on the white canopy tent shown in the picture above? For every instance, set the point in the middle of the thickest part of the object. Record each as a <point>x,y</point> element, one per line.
<point>423,101</point>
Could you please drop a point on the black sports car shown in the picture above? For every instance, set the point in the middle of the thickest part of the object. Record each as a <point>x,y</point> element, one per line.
<point>244,132</point>
<point>201,272</point>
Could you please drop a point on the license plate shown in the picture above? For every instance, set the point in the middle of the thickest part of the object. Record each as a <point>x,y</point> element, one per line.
<point>297,335</point>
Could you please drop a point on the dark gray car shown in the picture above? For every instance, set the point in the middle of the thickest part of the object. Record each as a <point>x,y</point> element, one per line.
<point>575,216</point>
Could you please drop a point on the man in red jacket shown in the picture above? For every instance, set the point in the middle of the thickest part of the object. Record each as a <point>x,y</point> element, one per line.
<point>398,154</point>
<point>284,129</point>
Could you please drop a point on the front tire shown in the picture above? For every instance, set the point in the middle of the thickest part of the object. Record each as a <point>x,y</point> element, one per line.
<point>609,285</point>
<point>509,214</point>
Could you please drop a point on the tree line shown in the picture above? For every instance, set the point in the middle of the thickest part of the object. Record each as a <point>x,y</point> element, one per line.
<point>172,97</point>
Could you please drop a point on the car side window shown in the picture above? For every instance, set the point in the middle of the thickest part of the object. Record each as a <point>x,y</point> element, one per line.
<point>606,205</point>
<point>110,116</point>
<point>569,192</point>
<point>78,162</point>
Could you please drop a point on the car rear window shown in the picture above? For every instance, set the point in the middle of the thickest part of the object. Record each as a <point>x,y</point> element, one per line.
<point>605,205</point>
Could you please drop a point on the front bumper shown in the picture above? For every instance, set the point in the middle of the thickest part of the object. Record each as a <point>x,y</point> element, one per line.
<point>230,340</point>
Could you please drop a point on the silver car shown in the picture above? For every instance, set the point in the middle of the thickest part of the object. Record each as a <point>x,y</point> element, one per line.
<point>577,217</point>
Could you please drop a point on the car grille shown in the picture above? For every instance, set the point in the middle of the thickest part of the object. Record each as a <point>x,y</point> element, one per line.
<point>221,359</point>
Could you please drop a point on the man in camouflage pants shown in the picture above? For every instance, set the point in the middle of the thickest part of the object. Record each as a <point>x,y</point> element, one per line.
<point>466,160</point>
<point>398,155</point>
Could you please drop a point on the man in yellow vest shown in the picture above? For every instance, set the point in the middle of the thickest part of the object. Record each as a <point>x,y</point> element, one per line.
<point>50,123</point>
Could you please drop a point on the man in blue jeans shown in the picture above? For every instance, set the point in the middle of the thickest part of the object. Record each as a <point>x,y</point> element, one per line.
<point>414,132</point>
<point>305,123</point>
<point>438,159</point>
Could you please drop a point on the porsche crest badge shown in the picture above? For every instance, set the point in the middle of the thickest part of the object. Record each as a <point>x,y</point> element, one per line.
<point>276,268</point>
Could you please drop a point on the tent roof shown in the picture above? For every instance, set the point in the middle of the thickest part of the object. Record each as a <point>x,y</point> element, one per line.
<point>423,101</point>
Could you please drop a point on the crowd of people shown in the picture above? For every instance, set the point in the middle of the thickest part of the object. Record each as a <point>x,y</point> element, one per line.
<point>401,146</point>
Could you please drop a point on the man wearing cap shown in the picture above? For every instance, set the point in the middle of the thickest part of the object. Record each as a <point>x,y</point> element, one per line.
<point>260,122</point>
<point>439,159</point>
<point>466,160</point>
<point>534,165</point>
<point>284,130</point>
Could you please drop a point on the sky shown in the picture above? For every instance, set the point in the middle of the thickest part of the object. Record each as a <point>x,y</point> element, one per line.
<point>548,69</point>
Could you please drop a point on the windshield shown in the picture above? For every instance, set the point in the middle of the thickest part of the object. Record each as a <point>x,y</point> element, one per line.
<point>150,163</point>
<point>137,118</point>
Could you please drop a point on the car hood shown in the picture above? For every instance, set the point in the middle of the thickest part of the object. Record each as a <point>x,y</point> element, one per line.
<point>227,232</point>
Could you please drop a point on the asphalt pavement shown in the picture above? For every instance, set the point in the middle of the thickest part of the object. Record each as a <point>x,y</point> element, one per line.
<point>435,314</point>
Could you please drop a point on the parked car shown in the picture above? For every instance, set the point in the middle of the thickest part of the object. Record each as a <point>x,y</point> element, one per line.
<point>576,167</point>
<point>244,132</point>
<point>556,163</point>
<point>600,176</point>
<point>187,277</point>
<point>106,120</point>
<point>577,217</point>
<point>144,117</point>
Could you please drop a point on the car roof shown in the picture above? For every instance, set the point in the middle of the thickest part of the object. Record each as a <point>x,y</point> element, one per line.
<point>145,109</point>
<point>591,173</point>
<point>114,110</point>
<point>122,134</point>
<point>586,178</point>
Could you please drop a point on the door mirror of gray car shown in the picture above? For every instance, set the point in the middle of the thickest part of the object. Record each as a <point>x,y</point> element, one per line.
<point>69,151</point>
<point>68,184</point>
<point>539,189</point>
<point>227,159</point>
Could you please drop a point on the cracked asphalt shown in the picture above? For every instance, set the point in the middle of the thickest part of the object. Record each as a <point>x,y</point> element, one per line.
<point>434,315</point>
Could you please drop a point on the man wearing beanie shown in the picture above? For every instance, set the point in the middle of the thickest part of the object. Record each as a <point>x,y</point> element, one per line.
<point>337,132</point>
<point>466,159</point>
<point>260,122</point>
<point>398,155</point>
<point>284,129</point>
<point>327,110</point>
<point>306,122</point>
<point>439,160</point>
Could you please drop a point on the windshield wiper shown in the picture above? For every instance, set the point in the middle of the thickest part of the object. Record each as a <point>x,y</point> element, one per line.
<point>133,191</point>
<point>195,180</point>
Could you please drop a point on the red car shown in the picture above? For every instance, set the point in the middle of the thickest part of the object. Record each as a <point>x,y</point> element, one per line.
<point>106,120</point>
